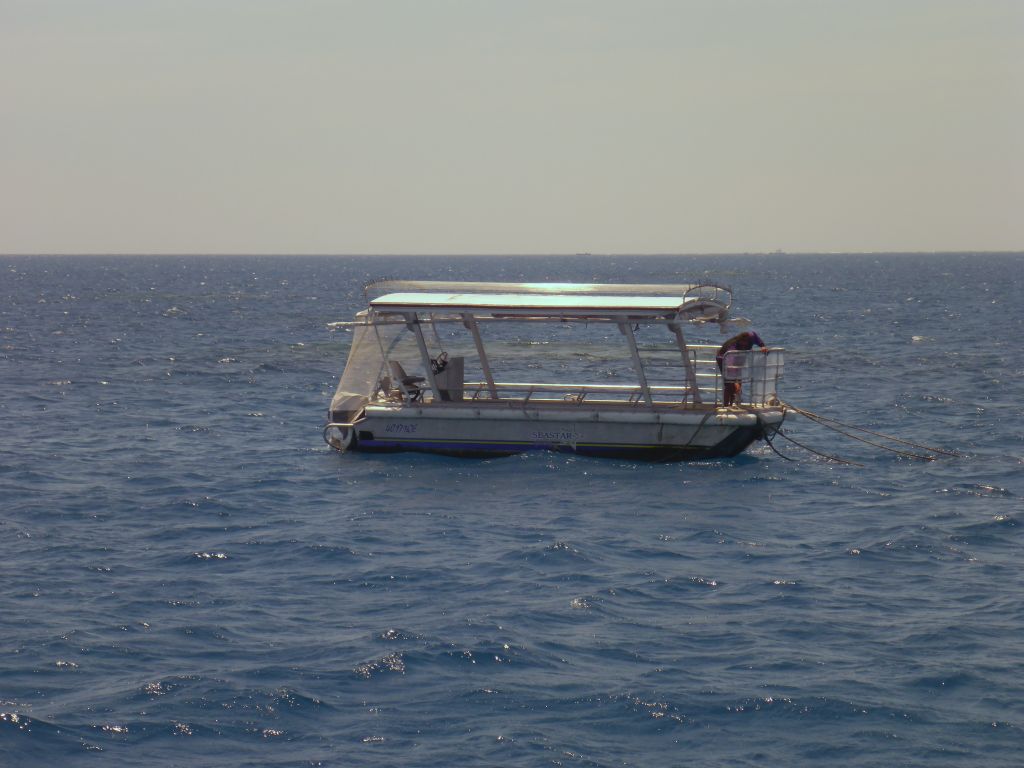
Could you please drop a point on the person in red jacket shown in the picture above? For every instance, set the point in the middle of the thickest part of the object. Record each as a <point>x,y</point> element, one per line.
<point>732,367</point>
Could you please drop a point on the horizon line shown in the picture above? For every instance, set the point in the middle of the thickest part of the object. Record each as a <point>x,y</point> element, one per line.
<point>492,255</point>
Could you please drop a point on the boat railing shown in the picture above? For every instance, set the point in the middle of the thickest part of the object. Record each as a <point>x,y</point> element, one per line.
<point>759,373</point>
<point>697,383</point>
<point>573,394</point>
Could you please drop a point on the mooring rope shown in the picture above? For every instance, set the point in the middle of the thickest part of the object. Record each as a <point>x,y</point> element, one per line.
<point>897,451</point>
<point>768,431</point>
<point>834,424</point>
<point>821,419</point>
<point>830,457</point>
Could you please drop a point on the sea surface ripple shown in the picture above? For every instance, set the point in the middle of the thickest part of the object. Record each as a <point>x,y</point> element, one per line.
<point>192,578</point>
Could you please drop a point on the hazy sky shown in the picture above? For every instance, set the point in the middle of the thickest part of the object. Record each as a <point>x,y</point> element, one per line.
<point>519,126</point>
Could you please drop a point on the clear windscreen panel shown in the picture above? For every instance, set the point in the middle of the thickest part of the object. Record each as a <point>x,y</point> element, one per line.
<point>367,369</point>
<point>382,356</point>
<point>362,371</point>
<point>557,352</point>
<point>573,361</point>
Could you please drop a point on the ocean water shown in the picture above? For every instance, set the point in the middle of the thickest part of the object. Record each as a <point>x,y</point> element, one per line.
<point>191,577</point>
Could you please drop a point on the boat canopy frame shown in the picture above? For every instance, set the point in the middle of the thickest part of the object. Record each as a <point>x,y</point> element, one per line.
<point>415,303</point>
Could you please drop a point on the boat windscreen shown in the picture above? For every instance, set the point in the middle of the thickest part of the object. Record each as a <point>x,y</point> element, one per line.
<point>364,366</point>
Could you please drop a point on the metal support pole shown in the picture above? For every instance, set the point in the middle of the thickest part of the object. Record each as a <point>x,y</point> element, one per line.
<point>470,323</point>
<point>691,374</point>
<point>413,322</point>
<point>627,330</point>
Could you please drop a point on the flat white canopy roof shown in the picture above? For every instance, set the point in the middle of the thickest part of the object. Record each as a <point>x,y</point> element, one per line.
<point>601,289</point>
<point>554,305</point>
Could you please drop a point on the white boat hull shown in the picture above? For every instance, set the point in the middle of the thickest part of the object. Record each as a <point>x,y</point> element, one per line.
<point>501,430</point>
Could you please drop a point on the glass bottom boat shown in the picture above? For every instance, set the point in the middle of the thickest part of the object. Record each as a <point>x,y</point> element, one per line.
<point>420,378</point>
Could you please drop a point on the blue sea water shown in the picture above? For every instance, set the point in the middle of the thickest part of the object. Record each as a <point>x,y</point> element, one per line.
<point>191,577</point>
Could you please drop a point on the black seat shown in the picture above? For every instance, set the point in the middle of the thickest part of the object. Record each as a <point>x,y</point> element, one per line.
<point>410,385</point>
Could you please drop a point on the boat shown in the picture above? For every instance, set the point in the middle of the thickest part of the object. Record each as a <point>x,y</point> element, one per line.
<point>479,369</point>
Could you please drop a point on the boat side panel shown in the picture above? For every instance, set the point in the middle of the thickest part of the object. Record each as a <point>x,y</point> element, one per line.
<point>648,440</point>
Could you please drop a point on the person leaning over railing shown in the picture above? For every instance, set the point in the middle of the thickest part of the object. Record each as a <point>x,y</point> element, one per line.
<point>732,372</point>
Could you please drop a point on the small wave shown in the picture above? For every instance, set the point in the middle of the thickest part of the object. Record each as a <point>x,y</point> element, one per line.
<point>993,530</point>
<point>561,546</point>
<point>976,489</point>
<point>393,662</point>
<point>694,581</point>
<point>948,682</point>
<point>392,635</point>
<point>194,428</point>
